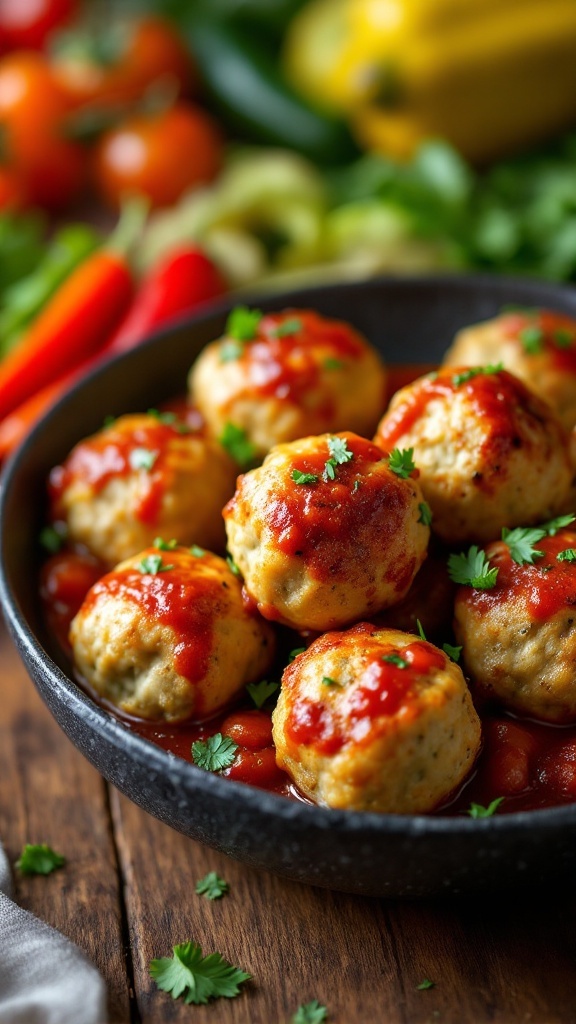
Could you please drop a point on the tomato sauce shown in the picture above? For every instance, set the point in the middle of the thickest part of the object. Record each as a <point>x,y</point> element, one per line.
<point>553,333</point>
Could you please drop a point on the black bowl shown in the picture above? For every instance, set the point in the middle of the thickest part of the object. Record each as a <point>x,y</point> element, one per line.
<point>411,321</point>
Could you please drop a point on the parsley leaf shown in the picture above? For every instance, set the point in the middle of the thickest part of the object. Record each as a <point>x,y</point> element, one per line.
<point>328,681</point>
<point>294,654</point>
<point>395,659</point>
<point>242,323</point>
<point>232,565</point>
<point>230,350</point>
<point>39,859</point>
<point>475,371</point>
<point>142,458</point>
<point>520,543</point>
<point>288,327</point>
<point>329,470</point>
<point>53,537</point>
<point>310,1013</point>
<point>553,525</point>
<point>338,448</point>
<point>238,445</point>
<point>195,977</point>
<point>330,363</point>
<point>165,545</point>
<point>304,478</point>
<point>401,462</point>
<point>452,652</point>
<point>425,984</point>
<point>215,753</point>
<point>568,555</point>
<point>532,339</point>
<point>563,338</point>
<point>197,551</point>
<point>212,886</point>
<point>260,692</point>
<point>478,811</point>
<point>425,513</point>
<point>472,569</point>
<point>152,565</point>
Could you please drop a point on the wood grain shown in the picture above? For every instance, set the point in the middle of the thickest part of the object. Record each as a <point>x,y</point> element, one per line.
<point>499,959</point>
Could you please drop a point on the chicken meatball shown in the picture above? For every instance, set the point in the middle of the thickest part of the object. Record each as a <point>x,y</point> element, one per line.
<point>325,532</point>
<point>537,345</point>
<point>165,636</point>
<point>519,636</point>
<point>285,375</point>
<point>375,720</point>
<point>142,476</point>
<point>490,452</point>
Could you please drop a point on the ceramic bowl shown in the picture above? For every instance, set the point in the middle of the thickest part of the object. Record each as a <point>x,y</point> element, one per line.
<point>410,321</point>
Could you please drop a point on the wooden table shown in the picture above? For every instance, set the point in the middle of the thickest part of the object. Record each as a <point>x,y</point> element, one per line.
<point>127,895</point>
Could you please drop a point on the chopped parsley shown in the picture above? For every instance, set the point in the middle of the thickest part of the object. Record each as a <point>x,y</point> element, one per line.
<point>568,555</point>
<point>333,364</point>
<point>165,545</point>
<point>532,339</point>
<point>152,565</point>
<point>478,811</point>
<point>39,859</point>
<point>109,421</point>
<point>53,537</point>
<point>328,681</point>
<point>230,350</point>
<point>142,458</point>
<point>197,551</point>
<point>294,654</point>
<point>310,1013</point>
<point>357,486</point>
<point>553,525</point>
<point>212,886</point>
<point>475,371</point>
<point>260,692</point>
<point>339,455</point>
<point>238,445</point>
<point>290,326</point>
<point>472,569</point>
<point>196,978</point>
<point>401,462</point>
<point>232,565</point>
<point>563,338</point>
<point>449,650</point>
<point>425,984</point>
<point>215,753</point>
<point>425,513</point>
<point>395,659</point>
<point>242,323</point>
<point>520,543</point>
<point>304,478</point>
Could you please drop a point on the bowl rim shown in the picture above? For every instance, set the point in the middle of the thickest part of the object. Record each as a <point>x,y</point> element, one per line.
<point>185,774</point>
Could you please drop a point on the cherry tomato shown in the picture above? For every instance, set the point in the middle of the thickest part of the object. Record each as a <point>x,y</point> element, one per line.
<point>118,66</point>
<point>251,729</point>
<point>65,580</point>
<point>26,24</point>
<point>158,155</point>
<point>33,109</point>
<point>256,767</point>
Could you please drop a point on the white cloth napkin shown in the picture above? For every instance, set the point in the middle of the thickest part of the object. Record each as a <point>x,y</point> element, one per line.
<point>44,978</point>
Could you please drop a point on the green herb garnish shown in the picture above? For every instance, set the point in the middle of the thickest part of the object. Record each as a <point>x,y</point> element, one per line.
<point>196,978</point>
<point>39,859</point>
<point>242,323</point>
<point>396,659</point>
<point>425,513</point>
<point>152,565</point>
<point>238,445</point>
<point>478,811</point>
<point>401,462</point>
<point>288,327</point>
<point>568,555</point>
<point>520,543</point>
<point>472,569</point>
<point>212,886</point>
<point>310,1013</point>
<point>142,458</point>
<point>304,478</point>
<point>215,753</point>
<point>475,371</point>
<point>260,692</point>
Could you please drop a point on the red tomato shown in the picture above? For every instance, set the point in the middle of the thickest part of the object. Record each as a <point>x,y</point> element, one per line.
<point>251,729</point>
<point>26,24</point>
<point>158,155</point>
<point>256,767</point>
<point>120,66</point>
<point>66,579</point>
<point>33,108</point>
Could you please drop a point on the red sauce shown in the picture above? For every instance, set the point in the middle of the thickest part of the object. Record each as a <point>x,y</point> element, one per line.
<point>494,397</point>
<point>288,364</point>
<point>110,454</point>
<point>65,580</point>
<point>543,588</point>
<point>557,334</point>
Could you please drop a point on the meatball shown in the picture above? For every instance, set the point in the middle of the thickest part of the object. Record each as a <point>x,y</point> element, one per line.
<point>490,452</point>
<point>519,636</point>
<point>141,477</point>
<point>430,601</point>
<point>375,720</point>
<point>325,533</point>
<point>537,345</point>
<point>165,636</point>
<point>285,375</point>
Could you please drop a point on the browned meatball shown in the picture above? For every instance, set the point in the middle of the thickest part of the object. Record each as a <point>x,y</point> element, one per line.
<point>325,533</point>
<point>166,636</point>
<point>519,636</point>
<point>490,452</point>
<point>294,373</point>
<point>537,345</point>
<point>139,478</point>
<point>375,720</point>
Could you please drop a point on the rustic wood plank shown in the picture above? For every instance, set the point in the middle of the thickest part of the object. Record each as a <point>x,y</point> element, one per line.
<point>50,794</point>
<point>505,958</point>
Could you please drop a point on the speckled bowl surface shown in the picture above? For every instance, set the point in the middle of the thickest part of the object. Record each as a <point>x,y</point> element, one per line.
<point>410,321</point>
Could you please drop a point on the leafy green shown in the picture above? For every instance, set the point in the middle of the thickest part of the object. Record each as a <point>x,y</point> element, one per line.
<point>532,339</point>
<point>452,652</point>
<point>197,551</point>
<point>22,246</point>
<point>195,977</point>
<point>165,545</point>
<point>425,516</point>
<point>472,569</point>
<point>339,451</point>
<point>39,859</point>
<point>212,886</point>
<point>232,565</point>
<point>310,1013</point>
<point>294,654</point>
<point>215,753</point>
<point>304,478</point>
<point>260,692</point>
<point>475,371</point>
<point>568,555</point>
<point>425,984</point>
<point>238,445</point>
<point>395,659</point>
<point>520,542</point>
<point>478,811</point>
<point>142,458</point>
<point>53,537</point>
<point>553,525</point>
<point>242,323</point>
<point>152,565</point>
<point>402,463</point>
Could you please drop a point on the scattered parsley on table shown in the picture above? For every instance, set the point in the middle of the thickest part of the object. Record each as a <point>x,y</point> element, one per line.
<point>212,886</point>
<point>196,978</point>
<point>39,859</point>
<point>310,1013</point>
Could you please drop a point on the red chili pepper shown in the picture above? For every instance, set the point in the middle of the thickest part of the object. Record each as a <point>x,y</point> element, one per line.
<point>178,284</point>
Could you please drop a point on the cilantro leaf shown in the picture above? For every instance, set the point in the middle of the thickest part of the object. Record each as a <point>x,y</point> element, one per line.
<point>260,692</point>
<point>53,537</point>
<point>238,445</point>
<point>215,753</point>
<point>339,451</point>
<point>294,654</point>
<point>472,569</point>
<point>425,513</point>
<point>568,555</point>
<point>197,551</point>
<point>310,1013</point>
<point>532,339</point>
<point>288,327</point>
<point>475,371</point>
<point>553,525</point>
<point>478,811</point>
<point>39,859</point>
<point>452,652</point>
<point>395,659</point>
<point>212,886</point>
<point>142,458</point>
<point>195,977</point>
<point>425,984</point>
<point>152,565</point>
<point>304,478</point>
<point>242,323</point>
<point>329,470</point>
<point>232,565</point>
<point>401,462</point>
<point>165,545</point>
<point>328,681</point>
<point>520,543</point>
